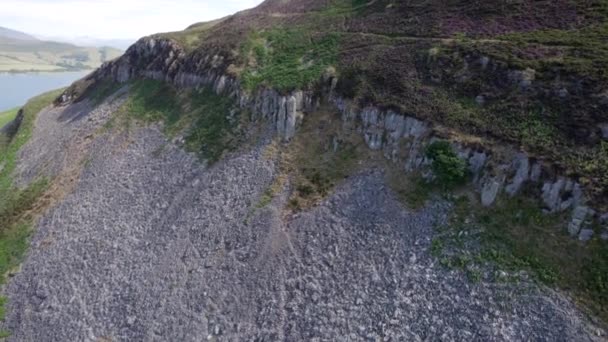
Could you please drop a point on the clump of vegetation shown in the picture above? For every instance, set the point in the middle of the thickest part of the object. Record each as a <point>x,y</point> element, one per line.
<point>152,101</point>
<point>594,162</point>
<point>8,116</point>
<point>208,121</point>
<point>516,235</point>
<point>214,130</point>
<point>102,90</point>
<point>3,333</point>
<point>16,204</point>
<point>413,190</point>
<point>321,157</point>
<point>448,168</point>
<point>287,59</point>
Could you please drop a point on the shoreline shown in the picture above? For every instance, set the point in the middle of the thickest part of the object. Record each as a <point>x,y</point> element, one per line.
<point>19,87</point>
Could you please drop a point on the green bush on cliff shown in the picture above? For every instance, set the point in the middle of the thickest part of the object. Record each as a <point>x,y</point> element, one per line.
<point>449,169</point>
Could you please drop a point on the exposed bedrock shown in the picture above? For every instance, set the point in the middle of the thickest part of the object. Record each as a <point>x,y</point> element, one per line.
<point>402,138</point>
<point>152,246</point>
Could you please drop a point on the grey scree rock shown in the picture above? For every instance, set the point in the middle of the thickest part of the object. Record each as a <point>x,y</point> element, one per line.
<point>153,247</point>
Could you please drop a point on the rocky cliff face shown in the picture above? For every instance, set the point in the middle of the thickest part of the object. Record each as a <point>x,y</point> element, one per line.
<point>495,169</point>
<point>148,244</point>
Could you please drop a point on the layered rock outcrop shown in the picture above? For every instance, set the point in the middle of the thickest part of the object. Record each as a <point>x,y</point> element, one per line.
<point>493,171</point>
<point>155,246</point>
<point>401,138</point>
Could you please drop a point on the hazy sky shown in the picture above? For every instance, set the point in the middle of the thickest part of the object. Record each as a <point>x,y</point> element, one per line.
<point>112,18</point>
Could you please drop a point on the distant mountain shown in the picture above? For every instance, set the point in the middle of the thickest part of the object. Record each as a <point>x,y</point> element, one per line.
<point>12,34</point>
<point>21,52</point>
<point>121,44</point>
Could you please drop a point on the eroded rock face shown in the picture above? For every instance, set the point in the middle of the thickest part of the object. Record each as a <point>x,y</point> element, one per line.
<point>153,246</point>
<point>578,218</point>
<point>401,138</point>
<point>490,190</point>
<point>164,60</point>
<point>404,139</point>
<point>521,165</point>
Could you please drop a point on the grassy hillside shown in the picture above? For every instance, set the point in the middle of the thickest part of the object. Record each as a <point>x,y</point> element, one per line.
<point>7,116</point>
<point>18,54</point>
<point>16,204</point>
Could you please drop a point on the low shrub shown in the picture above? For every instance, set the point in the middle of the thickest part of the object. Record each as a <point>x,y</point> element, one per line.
<point>449,169</point>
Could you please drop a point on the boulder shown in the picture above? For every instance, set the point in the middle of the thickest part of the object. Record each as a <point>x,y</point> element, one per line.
<point>535,172</point>
<point>578,218</point>
<point>415,128</point>
<point>291,117</point>
<point>490,190</point>
<point>585,235</point>
<point>394,124</point>
<point>521,164</point>
<point>281,116</point>
<point>373,127</point>
<point>551,194</point>
<point>476,163</point>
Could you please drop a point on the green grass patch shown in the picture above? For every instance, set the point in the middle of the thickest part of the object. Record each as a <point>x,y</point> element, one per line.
<point>516,235</point>
<point>321,156</point>
<point>152,101</point>
<point>2,308</point>
<point>102,91</point>
<point>8,152</point>
<point>216,125</point>
<point>287,59</point>
<point>8,116</point>
<point>413,190</point>
<point>593,163</point>
<point>208,121</point>
<point>15,204</point>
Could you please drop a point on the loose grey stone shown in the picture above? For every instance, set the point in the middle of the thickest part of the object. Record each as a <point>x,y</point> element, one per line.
<point>150,247</point>
<point>521,164</point>
<point>490,190</point>
<point>578,217</point>
<point>585,234</point>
